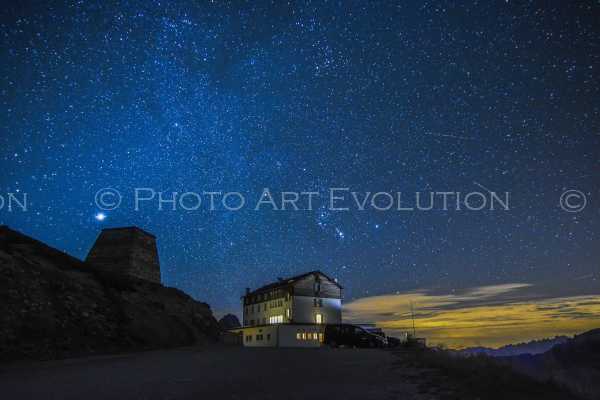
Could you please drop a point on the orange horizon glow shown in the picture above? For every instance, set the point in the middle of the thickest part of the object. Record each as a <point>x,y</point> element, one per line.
<point>480,317</point>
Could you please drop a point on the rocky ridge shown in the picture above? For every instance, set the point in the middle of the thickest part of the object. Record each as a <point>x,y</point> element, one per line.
<point>53,305</point>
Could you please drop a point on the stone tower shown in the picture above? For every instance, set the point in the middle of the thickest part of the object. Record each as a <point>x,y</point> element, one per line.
<point>128,251</point>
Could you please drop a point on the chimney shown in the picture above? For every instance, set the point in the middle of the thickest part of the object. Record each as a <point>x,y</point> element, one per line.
<point>247,291</point>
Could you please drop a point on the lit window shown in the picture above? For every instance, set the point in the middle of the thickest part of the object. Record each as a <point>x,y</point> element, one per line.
<point>298,336</point>
<point>303,336</point>
<point>287,313</point>
<point>321,337</point>
<point>319,318</point>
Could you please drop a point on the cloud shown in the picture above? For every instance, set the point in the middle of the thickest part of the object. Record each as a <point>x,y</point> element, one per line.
<point>482,316</point>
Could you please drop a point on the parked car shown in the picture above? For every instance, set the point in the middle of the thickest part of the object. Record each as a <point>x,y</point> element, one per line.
<point>352,336</point>
<point>393,341</point>
<point>374,330</point>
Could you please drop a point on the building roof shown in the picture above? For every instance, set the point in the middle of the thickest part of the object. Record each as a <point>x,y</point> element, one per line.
<point>288,281</point>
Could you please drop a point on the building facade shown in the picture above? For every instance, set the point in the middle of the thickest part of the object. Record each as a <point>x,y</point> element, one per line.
<point>291,312</point>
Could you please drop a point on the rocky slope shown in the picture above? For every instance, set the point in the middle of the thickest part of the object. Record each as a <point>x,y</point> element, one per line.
<point>574,364</point>
<point>54,306</point>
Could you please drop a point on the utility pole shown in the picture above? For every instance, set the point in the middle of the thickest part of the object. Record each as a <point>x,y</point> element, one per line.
<point>412,312</point>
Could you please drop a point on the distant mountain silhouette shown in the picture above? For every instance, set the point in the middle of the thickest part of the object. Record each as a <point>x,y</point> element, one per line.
<point>574,364</point>
<point>532,347</point>
<point>229,321</point>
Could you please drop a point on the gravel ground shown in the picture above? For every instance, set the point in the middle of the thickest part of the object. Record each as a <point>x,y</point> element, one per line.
<point>218,372</point>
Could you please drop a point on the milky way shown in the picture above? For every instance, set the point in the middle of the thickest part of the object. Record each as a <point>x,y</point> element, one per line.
<point>196,96</point>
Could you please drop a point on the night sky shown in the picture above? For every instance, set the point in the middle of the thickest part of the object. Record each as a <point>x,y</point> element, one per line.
<point>375,96</point>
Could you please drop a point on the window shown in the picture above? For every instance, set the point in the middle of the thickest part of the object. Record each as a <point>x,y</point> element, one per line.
<point>259,337</point>
<point>320,302</point>
<point>301,335</point>
<point>288,313</point>
<point>317,286</point>
<point>249,338</point>
<point>321,337</point>
<point>268,336</point>
<point>314,302</point>
<point>276,319</point>
<point>264,321</point>
<point>319,318</point>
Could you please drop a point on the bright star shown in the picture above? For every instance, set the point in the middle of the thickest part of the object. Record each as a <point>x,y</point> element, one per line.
<point>100,217</point>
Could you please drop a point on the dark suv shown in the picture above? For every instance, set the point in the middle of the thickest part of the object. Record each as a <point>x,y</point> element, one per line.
<point>352,336</point>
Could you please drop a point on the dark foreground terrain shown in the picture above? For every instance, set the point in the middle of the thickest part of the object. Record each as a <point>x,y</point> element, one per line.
<point>214,373</point>
<point>220,372</point>
<point>55,306</point>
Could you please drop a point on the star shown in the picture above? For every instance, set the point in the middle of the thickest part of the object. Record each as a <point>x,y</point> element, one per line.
<point>308,102</point>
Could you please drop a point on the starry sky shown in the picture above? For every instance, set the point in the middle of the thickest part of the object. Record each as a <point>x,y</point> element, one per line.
<point>183,96</point>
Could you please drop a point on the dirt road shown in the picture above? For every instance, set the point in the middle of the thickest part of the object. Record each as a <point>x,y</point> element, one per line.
<point>215,373</point>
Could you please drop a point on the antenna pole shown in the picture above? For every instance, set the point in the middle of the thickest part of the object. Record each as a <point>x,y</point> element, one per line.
<point>412,312</point>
